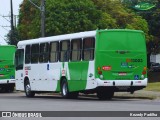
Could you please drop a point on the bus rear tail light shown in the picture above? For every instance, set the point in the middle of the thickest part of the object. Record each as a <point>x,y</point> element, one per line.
<point>99,71</point>
<point>99,68</point>
<point>145,68</point>
<point>144,71</point>
<point>6,66</point>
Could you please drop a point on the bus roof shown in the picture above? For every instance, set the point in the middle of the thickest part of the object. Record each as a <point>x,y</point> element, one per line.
<point>58,37</point>
<point>71,36</point>
<point>7,46</point>
<point>120,30</point>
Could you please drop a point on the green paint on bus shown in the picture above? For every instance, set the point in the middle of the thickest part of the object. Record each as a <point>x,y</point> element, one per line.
<point>7,68</point>
<point>121,54</point>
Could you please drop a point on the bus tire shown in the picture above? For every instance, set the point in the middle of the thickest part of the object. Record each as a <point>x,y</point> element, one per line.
<point>2,89</point>
<point>27,89</point>
<point>105,95</point>
<point>65,91</point>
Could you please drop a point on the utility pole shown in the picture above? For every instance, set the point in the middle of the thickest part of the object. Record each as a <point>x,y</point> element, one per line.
<point>43,18</point>
<point>12,27</point>
<point>42,9</point>
<point>15,21</point>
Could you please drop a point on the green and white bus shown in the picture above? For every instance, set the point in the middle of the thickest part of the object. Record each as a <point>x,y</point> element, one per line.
<point>7,68</point>
<point>100,61</point>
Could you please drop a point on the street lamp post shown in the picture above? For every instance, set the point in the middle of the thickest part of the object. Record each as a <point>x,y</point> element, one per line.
<point>42,9</point>
<point>12,27</point>
<point>43,18</point>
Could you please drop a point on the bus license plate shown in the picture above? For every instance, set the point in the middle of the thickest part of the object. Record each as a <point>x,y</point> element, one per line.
<point>122,73</point>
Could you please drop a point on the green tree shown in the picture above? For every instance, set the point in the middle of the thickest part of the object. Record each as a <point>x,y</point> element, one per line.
<point>29,20</point>
<point>62,16</point>
<point>152,17</point>
<point>71,16</point>
<point>123,17</point>
<point>68,16</point>
<point>13,37</point>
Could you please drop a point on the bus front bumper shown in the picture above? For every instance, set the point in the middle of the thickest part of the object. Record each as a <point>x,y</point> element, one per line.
<point>7,81</point>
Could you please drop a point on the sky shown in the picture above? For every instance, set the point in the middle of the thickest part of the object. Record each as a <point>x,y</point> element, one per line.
<point>5,11</point>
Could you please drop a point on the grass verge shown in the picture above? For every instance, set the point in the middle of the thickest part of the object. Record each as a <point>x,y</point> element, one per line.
<point>134,96</point>
<point>153,87</point>
<point>150,92</point>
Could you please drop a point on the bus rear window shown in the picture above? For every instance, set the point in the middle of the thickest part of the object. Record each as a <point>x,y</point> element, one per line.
<point>121,40</point>
<point>88,48</point>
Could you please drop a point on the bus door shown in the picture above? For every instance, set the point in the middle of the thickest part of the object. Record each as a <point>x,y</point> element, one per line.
<point>19,60</point>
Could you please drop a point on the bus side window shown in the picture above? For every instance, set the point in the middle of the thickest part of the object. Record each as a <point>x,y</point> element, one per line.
<point>54,51</point>
<point>28,54</point>
<point>34,53</point>
<point>76,46</point>
<point>88,48</point>
<point>44,52</point>
<point>64,50</point>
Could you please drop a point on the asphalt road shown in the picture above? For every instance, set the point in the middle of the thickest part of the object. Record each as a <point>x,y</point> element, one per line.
<point>41,102</point>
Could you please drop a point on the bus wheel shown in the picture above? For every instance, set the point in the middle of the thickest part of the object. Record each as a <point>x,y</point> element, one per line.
<point>6,88</point>
<point>28,91</point>
<point>2,89</point>
<point>105,95</point>
<point>65,91</point>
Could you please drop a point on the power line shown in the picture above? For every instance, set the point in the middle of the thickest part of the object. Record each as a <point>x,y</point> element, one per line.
<point>2,37</point>
<point>5,28</point>
<point>35,4</point>
<point>5,17</point>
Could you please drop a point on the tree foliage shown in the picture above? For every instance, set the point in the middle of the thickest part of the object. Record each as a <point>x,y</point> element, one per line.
<point>124,18</point>
<point>71,16</point>
<point>13,37</point>
<point>29,20</point>
<point>68,16</point>
<point>152,17</point>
